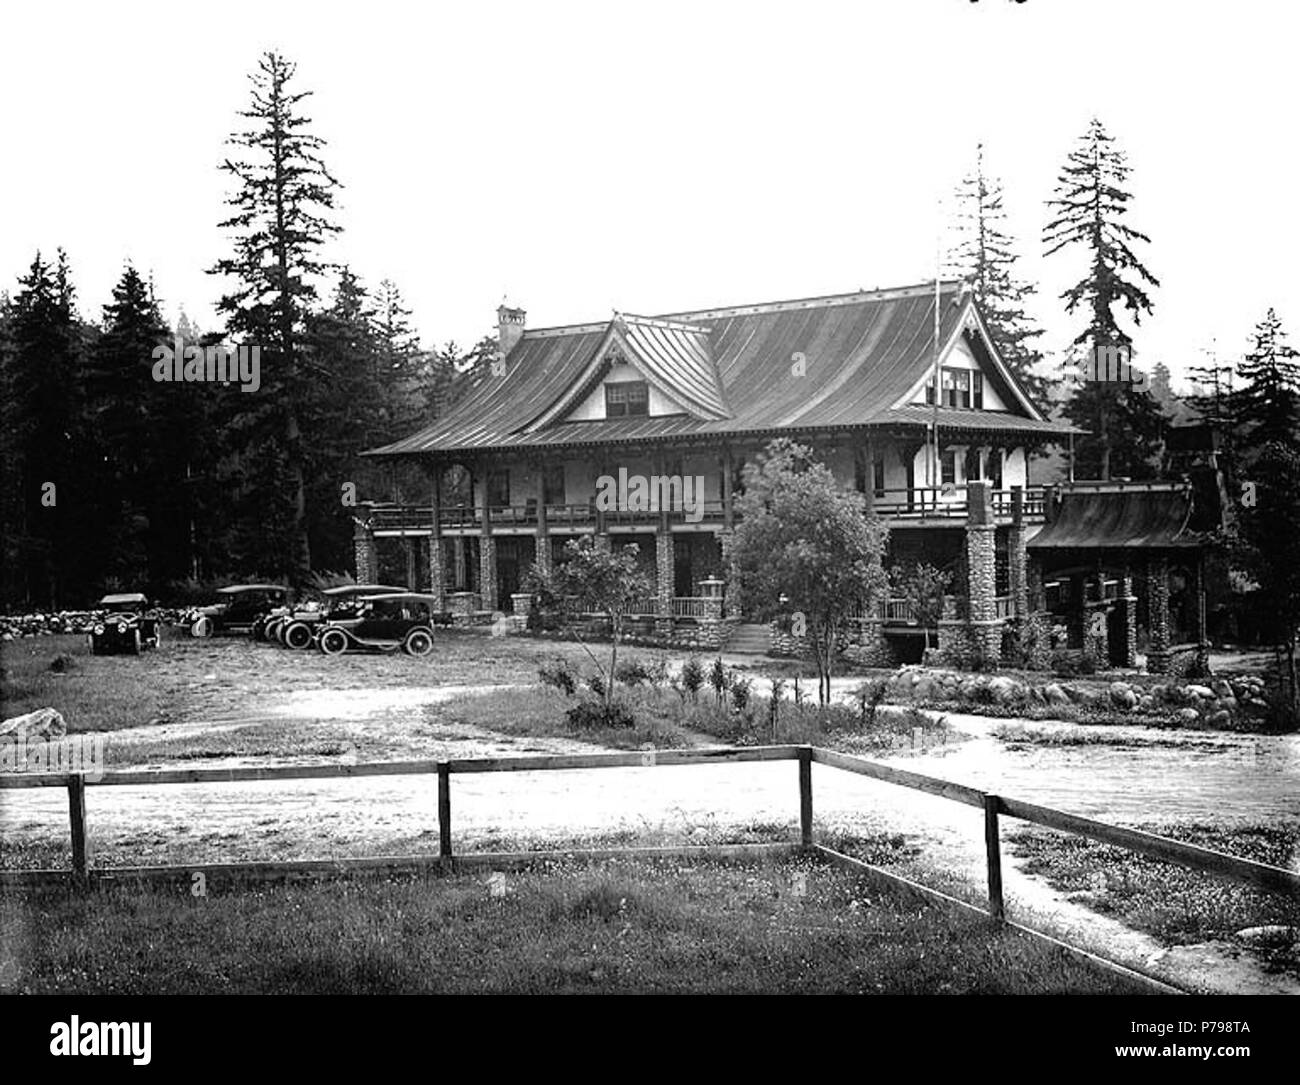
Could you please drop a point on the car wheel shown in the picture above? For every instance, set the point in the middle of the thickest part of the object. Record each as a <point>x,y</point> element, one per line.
<point>418,642</point>
<point>135,642</point>
<point>296,635</point>
<point>333,642</point>
<point>202,627</point>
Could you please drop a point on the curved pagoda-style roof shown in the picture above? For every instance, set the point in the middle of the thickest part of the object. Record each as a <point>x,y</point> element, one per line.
<point>848,360</point>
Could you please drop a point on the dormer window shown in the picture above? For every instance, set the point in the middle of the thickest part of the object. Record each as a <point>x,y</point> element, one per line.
<point>962,388</point>
<point>623,398</point>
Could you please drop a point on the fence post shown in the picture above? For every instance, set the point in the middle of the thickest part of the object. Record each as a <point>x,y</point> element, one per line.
<point>993,847</point>
<point>805,796</point>
<point>77,817</point>
<point>444,811</point>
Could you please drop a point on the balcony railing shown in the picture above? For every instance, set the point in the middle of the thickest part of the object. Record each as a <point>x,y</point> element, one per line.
<point>921,502</point>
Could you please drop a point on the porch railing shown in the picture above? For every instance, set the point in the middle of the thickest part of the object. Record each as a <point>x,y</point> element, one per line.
<point>920,502</point>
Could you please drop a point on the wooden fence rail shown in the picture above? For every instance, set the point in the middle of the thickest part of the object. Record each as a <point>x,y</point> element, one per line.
<point>1191,856</point>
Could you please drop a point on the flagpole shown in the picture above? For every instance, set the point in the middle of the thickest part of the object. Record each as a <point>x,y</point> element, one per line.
<point>933,474</point>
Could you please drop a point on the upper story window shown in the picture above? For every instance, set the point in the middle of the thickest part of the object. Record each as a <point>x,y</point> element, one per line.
<point>553,484</point>
<point>498,488</point>
<point>948,467</point>
<point>963,388</point>
<point>626,398</point>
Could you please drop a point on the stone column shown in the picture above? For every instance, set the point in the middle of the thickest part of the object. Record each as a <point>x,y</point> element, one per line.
<point>408,555</point>
<point>487,547</point>
<point>1158,655</point>
<point>1018,556</point>
<point>487,572</point>
<point>1129,611</point>
<point>1096,629</point>
<point>664,582</point>
<point>437,549</point>
<point>731,573</point>
<point>1202,634</point>
<point>543,554</point>
<point>367,558</point>
<point>981,563</point>
<point>438,571</point>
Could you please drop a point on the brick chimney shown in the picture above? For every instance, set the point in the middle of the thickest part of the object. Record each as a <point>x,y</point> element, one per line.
<point>510,328</point>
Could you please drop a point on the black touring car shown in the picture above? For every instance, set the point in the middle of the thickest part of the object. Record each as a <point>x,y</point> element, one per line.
<point>382,622</point>
<point>295,627</point>
<point>123,623</point>
<point>237,610</point>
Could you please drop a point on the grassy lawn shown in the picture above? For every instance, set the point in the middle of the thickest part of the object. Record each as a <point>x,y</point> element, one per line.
<point>632,925</point>
<point>228,697</point>
<point>189,679</point>
<point>1178,906</point>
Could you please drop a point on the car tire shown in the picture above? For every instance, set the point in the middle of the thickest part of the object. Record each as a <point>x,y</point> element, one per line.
<point>419,642</point>
<point>296,635</point>
<point>135,642</point>
<point>333,642</point>
<point>202,627</point>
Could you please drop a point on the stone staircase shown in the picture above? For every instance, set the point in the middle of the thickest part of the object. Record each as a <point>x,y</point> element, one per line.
<point>748,639</point>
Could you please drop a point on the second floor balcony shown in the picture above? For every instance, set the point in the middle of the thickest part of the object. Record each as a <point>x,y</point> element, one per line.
<point>916,504</point>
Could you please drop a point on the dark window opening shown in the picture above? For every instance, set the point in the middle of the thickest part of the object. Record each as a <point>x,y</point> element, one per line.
<point>553,485</point>
<point>949,468</point>
<point>878,476</point>
<point>977,391</point>
<point>498,488</point>
<point>973,472</point>
<point>623,398</point>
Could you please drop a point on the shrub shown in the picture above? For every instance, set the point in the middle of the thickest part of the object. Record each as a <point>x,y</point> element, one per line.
<point>596,683</point>
<point>62,663</point>
<point>740,688</point>
<point>718,679</point>
<point>869,696</point>
<point>692,677</point>
<point>559,675</point>
<point>632,672</point>
<point>593,715</point>
<point>1069,664</point>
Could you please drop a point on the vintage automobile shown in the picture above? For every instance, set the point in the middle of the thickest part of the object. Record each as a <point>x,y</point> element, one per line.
<point>384,622</point>
<point>237,610</point>
<point>127,624</point>
<point>294,627</point>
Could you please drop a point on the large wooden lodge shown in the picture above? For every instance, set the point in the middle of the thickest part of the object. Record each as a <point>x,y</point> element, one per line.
<point>854,376</point>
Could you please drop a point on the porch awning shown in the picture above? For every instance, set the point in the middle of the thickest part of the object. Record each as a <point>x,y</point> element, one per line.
<point>1135,518</point>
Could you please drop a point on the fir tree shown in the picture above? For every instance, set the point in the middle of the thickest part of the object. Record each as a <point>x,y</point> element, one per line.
<point>280,223</point>
<point>1267,405</point>
<point>125,407</point>
<point>985,255</point>
<point>1124,422</point>
<point>48,463</point>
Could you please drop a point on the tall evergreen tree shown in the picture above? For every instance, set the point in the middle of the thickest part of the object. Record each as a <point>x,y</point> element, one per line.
<point>47,460</point>
<point>985,255</point>
<point>125,405</point>
<point>280,223</point>
<point>1124,423</point>
<point>1267,405</point>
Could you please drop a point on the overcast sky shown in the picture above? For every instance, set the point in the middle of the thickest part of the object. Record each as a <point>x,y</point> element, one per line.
<point>579,158</point>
